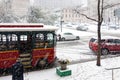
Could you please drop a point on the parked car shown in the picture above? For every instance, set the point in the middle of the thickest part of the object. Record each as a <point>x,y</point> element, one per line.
<point>91,42</point>
<point>82,28</point>
<point>68,25</point>
<point>108,45</point>
<point>113,27</point>
<point>67,36</point>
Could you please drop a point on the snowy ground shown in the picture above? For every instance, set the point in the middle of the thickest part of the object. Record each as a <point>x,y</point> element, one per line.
<point>75,52</point>
<point>80,71</point>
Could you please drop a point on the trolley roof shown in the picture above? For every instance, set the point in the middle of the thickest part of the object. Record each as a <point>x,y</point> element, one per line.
<point>9,27</point>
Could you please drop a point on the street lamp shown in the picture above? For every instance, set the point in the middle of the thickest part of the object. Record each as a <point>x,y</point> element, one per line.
<point>61,22</point>
<point>60,17</point>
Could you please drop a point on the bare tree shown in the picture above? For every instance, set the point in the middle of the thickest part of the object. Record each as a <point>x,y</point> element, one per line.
<point>101,6</point>
<point>99,21</point>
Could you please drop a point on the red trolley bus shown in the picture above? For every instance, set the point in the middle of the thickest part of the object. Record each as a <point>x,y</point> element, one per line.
<point>34,44</point>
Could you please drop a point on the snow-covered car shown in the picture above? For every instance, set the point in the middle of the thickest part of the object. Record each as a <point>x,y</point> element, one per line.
<point>82,28</point>
<point>113,27</point>
<point>67,36</point>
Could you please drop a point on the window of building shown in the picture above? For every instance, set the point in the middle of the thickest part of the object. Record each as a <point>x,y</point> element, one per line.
<point>66,15</point>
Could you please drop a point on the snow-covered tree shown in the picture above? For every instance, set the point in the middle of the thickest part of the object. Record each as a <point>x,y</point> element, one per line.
<point>6,15</point>
<point>38,15</point>
<point>34,14</point>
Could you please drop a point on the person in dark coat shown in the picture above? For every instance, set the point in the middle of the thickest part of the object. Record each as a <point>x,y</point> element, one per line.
<point>17,71</point>
<point>59,36</point>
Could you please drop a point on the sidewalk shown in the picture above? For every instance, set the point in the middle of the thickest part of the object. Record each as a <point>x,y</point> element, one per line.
<point>81,71</point>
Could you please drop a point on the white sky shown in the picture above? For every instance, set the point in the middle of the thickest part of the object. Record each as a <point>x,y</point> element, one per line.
<point>52,4</point>
<point>31,2</point>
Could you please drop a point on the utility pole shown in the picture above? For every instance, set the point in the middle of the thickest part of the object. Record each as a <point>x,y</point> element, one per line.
<point>61,21</point>
<point>61,24</point>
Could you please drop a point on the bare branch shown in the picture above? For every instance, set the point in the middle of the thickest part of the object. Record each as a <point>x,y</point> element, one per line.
<point>89,18</point>
<point>85,15</point>
<point>110,5</point>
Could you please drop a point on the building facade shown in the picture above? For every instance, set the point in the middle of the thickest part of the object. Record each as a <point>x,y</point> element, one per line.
<point>65,8</point>
<point>109,8</point>
<point>109,15</point>
<point>69,15</point>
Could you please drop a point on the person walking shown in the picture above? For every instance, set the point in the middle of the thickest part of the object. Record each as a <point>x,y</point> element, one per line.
<point>17,70</point>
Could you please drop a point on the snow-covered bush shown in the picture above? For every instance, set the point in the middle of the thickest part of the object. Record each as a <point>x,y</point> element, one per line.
<point>63,61</point>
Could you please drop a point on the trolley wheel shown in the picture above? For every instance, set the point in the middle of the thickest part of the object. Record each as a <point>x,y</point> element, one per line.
<point>42,63</point>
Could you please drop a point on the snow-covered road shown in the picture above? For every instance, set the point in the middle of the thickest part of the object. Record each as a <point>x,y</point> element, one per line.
<point>79,50</point>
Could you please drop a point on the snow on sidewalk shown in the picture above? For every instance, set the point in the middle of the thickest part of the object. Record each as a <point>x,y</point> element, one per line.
<point>81,71</point>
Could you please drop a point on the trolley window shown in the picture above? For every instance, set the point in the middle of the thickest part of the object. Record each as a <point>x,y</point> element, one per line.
<point>3,40</point>
<point>39,37</point>
<point>39,40</point>
<point>12,41</point>
<point>23,38</point>
<point>50,39</point>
